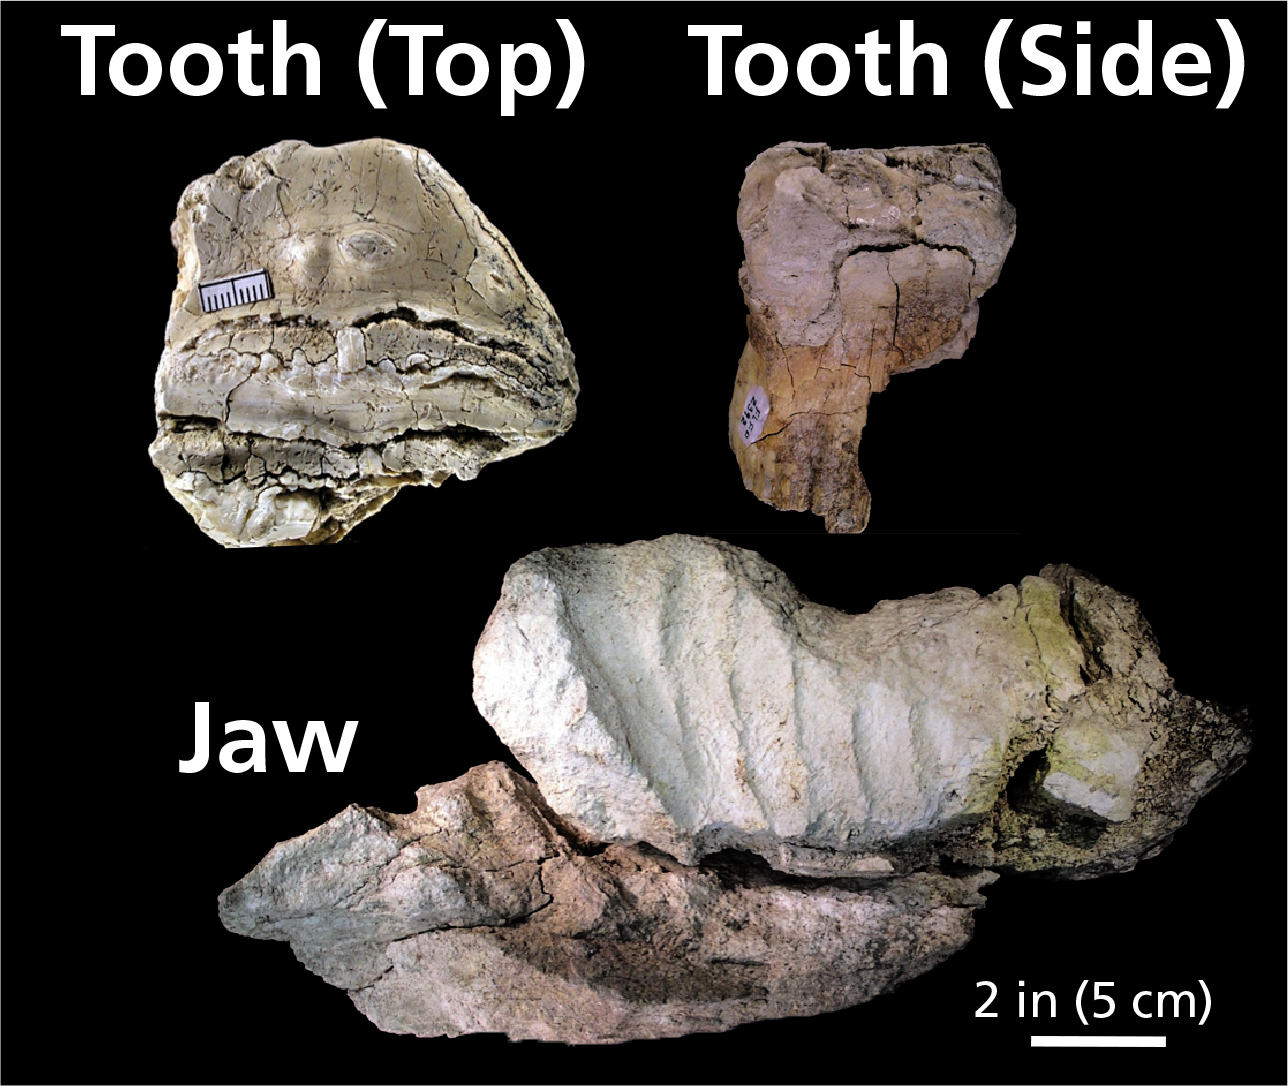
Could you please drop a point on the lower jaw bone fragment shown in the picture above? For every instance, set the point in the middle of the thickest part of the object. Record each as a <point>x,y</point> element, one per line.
<point>404,343</point>
<point>859,264</point>
<point>745,803</point>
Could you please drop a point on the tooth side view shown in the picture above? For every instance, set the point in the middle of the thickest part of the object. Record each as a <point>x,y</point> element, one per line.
<point>858,265</point>
<point>404,343</point>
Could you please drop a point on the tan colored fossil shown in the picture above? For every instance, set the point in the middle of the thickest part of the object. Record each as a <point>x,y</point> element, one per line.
<point>859,264</point>
<point>405,343</point>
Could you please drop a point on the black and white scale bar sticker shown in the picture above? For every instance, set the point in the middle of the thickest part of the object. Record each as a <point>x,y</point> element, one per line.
<point>1097,1042</point>
<point>244,289</point>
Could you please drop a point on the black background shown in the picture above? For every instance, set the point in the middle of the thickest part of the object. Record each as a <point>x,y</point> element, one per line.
<point>1119,409</point>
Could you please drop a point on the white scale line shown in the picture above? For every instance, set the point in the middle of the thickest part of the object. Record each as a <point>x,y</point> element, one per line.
<point>1097,1042</point>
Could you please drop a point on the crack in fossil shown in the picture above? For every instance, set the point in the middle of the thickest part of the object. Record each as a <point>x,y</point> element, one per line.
<point>251,325</point>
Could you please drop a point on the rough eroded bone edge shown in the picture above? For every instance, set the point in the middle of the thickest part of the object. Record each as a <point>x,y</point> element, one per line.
<point>474,913</point>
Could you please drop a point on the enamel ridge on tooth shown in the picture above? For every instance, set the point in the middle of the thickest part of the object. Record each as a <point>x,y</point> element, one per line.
<point>405,343</point>
<point>682,691</point>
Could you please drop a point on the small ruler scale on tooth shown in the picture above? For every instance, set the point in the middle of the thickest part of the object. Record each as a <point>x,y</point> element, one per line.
<point>244,289</point>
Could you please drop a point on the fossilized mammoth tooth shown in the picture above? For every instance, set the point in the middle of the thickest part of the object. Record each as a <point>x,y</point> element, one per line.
<point>859,264</point>
<point>403,342</point>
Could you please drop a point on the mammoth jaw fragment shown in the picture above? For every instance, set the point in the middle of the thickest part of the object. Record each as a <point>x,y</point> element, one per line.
<point>746,805</point>
<point>859,264</point>
<point>404,343</point>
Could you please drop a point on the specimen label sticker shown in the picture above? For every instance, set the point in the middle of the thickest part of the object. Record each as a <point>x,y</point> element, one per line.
<point>751,423</point>
<point>244,289</point>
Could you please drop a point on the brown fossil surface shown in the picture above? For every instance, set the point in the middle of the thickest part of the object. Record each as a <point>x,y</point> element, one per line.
<point>475,914</point>
<point>858,264</point>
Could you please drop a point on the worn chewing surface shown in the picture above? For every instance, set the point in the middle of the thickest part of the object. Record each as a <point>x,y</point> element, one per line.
<point>405,344</point>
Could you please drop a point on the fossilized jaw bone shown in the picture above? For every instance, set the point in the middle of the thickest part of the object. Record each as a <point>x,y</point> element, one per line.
<point>475,914</point>
<point>859,264</point>
<point>405,343</point>
<point>682,692</point>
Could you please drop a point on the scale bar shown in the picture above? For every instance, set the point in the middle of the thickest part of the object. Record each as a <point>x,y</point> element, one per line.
<point>1097,1042</point>
<point>244,289</point>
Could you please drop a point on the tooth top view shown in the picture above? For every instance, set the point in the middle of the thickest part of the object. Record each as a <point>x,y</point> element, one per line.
<point>343,232</point>
<point>404,342</point>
